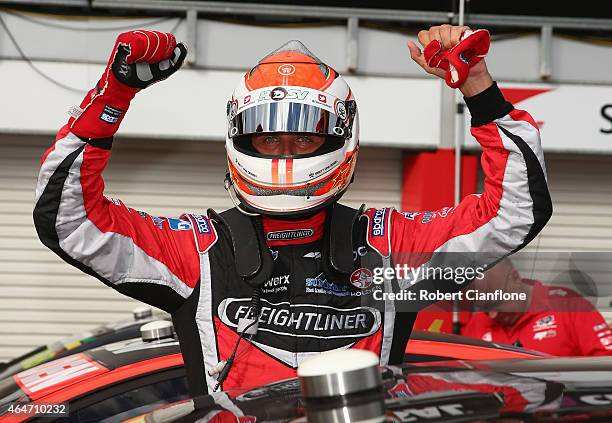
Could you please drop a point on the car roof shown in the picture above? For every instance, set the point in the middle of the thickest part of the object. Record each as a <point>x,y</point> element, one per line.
<point>70,376</point>
<point>464,340</point>
<point>483,389</point>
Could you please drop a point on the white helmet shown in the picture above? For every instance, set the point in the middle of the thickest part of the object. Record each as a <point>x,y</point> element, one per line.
<point>291,91</point>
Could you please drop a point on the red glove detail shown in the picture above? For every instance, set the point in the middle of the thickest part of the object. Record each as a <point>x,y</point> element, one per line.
<point>146,46</point>
<point>139,59</point>
<point>472,48</point>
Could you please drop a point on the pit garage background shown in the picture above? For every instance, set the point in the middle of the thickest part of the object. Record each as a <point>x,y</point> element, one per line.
<point>169,156</point>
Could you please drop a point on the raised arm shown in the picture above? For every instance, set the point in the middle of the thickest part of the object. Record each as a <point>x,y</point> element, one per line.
<point>515,204</point>
<point>145,257</point>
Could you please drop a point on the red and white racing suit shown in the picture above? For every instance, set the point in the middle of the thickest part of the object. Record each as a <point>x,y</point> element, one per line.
<point>560,322</point>
<point>185,265</point>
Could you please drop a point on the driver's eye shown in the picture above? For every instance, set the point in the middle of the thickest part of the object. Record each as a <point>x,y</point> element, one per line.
<point>304,140</point>
<point>271,140</point>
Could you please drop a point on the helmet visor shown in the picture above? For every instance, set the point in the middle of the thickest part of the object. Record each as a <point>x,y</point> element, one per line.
<point>293,117</point>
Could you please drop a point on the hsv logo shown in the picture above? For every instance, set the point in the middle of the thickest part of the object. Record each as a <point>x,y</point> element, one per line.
<point>378,222</point>
<point>247,99</point>
<point>362,278</point>
<point>547,322</point>
<point>289,234</point>
<point>286,69</point>
<point>280,93</point>
<point>322,98</point>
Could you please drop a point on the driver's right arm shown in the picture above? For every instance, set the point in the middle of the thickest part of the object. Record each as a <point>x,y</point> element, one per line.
<point>150,259</point>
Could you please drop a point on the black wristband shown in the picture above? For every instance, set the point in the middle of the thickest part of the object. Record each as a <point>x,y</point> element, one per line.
<point>104,143</point>
<point>488,105</point>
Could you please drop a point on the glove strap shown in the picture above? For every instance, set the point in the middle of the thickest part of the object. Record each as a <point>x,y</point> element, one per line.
<point>102,109</point>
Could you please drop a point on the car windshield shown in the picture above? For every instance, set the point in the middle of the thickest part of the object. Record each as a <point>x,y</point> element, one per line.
<point>9,393</point>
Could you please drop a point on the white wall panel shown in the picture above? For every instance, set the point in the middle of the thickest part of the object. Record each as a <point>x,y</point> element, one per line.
<point>192,104</point>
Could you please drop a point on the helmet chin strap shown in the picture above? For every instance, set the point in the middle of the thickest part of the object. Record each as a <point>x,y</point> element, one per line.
<point>229,186</point>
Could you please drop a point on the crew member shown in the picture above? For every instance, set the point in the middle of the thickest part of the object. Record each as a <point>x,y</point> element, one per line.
<point>258,288</point>
<point>552,319</point>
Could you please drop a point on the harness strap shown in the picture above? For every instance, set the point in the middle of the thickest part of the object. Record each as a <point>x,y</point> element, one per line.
<point>252,256</point>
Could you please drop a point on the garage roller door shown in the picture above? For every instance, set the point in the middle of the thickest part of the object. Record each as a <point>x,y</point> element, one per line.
<point>42,298</point>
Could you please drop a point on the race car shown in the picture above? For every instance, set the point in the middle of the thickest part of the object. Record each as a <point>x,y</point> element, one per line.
<point>101,335</point>
<point>108,383</point>
<point>129,378</point>
<point>516,390</point>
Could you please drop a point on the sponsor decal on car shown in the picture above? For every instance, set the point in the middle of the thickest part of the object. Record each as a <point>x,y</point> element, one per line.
<point>435,413</point>
<point>597,399</point>
<point>38,381</point>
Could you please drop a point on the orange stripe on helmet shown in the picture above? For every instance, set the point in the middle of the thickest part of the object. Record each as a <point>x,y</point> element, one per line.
<point>289,171</point>
<point>275,171</point>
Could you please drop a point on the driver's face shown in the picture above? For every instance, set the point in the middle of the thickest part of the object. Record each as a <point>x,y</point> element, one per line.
<point>285,144</point>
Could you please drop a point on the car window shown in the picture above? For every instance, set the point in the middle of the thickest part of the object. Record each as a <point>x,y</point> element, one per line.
<point>10,392</point>
<point>131,403</point>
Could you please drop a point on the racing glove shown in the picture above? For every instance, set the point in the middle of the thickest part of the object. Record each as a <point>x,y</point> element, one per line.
<point>140,58</point>
<point>456,61</point>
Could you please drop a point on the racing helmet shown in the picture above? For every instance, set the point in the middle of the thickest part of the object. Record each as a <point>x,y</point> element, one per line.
<point>291,91</point>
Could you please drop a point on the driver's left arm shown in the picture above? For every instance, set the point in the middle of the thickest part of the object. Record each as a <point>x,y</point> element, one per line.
<point>515,204</point>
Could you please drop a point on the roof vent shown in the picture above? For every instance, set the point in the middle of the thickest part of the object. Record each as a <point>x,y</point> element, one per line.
<point>142,313</point>
<point>157,330</point>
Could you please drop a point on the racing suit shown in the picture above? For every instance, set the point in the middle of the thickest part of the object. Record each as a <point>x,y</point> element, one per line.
<point>559,322</point>
<point>186,266</point>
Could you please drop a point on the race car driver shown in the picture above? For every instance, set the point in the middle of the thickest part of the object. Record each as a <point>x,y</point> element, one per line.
<point>287,273</point>
<point>552,319</point>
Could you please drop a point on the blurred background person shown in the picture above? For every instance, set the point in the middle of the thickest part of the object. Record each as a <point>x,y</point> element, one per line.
<point>552,319</point>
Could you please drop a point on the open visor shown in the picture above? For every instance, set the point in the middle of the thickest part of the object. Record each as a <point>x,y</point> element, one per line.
<point>294,117</point>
